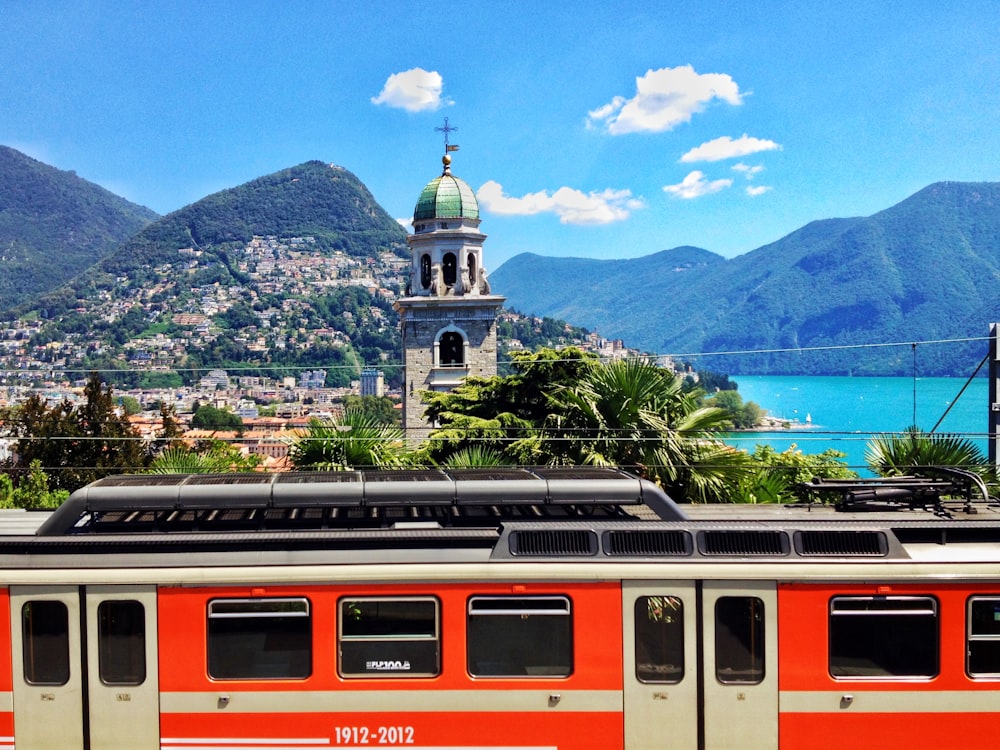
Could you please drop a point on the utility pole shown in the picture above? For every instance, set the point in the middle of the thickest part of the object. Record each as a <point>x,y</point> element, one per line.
<point>994,436</point>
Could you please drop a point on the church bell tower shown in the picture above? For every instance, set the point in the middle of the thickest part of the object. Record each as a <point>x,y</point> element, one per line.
<point>448,315</point>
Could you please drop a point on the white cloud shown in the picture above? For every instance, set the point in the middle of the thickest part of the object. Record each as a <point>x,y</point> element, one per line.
<point>748,171</point>
<point>727,148</point>
<point>664,98</point>
<point>695,185</point>
<point>406,224</point>
<point>754,190</point>
<point>414,90</point>
<point>570,205</point>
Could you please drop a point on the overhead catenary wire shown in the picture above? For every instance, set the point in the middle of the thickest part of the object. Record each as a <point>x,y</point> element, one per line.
<point>608,434</point>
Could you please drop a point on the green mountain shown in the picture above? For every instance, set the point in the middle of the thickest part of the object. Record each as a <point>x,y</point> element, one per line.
<point>53,225</point>
<point>314,199</point>
<point>325,203</point>
<point>927,269</point>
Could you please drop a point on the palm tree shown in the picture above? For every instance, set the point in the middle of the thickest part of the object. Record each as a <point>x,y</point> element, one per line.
<point>475,457</point>
<point>633,414</point>
<point>354,441</point>
<point>215,458</point>
<point>896,454</point>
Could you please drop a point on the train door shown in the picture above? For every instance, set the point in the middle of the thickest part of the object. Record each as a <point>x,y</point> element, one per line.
<point>740,665</point>
<point>700,665</point>
<point>85,667</point>
<point>660,665</point>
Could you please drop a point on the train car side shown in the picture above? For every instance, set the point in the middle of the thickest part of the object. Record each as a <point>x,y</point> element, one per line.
<point>623,663</point>
<point>435,686</point>
<point>887,664</point>
<point>574,610</point>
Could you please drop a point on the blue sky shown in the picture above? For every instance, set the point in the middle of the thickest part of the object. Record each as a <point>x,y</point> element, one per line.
<point>603,130</point>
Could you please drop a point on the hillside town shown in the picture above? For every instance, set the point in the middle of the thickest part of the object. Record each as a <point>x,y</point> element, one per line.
<point>153,329</point>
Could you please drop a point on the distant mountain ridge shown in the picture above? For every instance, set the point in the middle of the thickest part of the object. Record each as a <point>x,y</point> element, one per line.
<point>926,269</point>
<point>54,224</point>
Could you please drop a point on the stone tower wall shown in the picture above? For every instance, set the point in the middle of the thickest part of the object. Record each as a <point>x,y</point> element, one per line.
<point>422,320</point>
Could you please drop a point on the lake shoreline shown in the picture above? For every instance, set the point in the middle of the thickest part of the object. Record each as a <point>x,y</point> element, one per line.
<point>850,412</point>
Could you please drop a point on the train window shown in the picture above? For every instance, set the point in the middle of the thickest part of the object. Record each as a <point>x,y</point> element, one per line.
<point>45,639</point>
<point>984,636</point>
<point>259,639</point>
<point>739,640</point>
<point>883,636</point>
<point>121,642</point>
<point>659,639</point>
<point>520,636</point>
<point>389,637</point>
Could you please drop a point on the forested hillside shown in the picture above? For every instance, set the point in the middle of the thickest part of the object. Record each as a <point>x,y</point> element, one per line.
<point>54,224</point>
<point>313,199</point>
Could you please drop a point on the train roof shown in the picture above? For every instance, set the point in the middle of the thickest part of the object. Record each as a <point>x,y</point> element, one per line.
<point>564,513</point>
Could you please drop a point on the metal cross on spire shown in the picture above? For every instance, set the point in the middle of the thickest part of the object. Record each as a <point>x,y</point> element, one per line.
<point>446,130</point>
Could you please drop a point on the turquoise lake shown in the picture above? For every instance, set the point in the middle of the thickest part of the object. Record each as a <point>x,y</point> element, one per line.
<point>844,412</point>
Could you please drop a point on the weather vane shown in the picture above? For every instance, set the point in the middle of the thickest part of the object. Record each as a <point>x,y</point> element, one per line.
<point>446,130</point>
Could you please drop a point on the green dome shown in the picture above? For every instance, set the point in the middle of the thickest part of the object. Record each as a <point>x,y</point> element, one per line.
<point>446,197</point>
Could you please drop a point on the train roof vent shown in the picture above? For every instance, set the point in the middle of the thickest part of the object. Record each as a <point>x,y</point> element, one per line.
<point>643,542</point>
<point>745,543</point>
<point>553,542</point>
<point>855,543</point>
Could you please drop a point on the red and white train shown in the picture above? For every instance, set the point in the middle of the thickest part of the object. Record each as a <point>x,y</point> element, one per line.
<point>544,609</point>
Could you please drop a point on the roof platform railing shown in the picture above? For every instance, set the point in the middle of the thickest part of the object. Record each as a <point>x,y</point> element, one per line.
<point>926,486</point>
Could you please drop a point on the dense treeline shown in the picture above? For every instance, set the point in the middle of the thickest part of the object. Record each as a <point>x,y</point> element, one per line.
<point>557,407</point>
<point>75,445</point>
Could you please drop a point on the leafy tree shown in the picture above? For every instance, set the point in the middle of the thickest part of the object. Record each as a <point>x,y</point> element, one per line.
<point>130,404</point>
<point>710,381</point>
<point>240,315</point>
<point>380,408</point>
<point>533,335</point>
<point>208,417</point>
<point>77,445</point>
<point>566,407</point>
<point>775,475</point>
<point>743,415</point>
<point>32,490</point>
<point>170,429</point>
<point>506,412</point>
